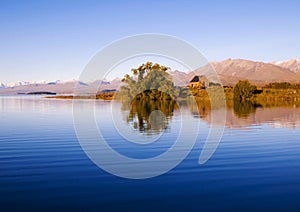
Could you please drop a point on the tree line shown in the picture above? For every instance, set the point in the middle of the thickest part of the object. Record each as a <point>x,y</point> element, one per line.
<point>283,85</point>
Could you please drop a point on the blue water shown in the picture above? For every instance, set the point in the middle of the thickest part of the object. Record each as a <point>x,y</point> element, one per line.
<point>43,167</point>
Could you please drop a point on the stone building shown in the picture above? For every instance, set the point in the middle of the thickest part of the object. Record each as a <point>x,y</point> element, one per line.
<point>200,82</point>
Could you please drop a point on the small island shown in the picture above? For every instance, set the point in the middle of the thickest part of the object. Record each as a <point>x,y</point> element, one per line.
<point>39,93</point>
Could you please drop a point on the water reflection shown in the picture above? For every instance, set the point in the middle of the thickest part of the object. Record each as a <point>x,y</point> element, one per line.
<point>243,109</point>
<point>201,109</point>
<point>149,115</point>
<point>28,104</point>
<point>247,113</point>
<point>154,116</point>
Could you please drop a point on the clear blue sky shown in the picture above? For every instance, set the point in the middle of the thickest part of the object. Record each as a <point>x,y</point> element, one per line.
<point>55,39</point>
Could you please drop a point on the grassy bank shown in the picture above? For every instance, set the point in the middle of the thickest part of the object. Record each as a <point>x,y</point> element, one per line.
<point>103,96</point>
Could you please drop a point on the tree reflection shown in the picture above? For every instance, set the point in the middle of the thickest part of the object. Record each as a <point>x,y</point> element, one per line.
<point>243,109</point>
<point>148,114</point>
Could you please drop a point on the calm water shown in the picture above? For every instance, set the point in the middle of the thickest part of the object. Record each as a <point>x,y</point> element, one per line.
<point>43,167</point>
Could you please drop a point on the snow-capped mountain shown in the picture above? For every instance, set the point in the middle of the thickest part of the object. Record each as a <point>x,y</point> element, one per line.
<point>2,85</point>
<point>19,83</point>
<point>58,86</point>
<point>292,64</point>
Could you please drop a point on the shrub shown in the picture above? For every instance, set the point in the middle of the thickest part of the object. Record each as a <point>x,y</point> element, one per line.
<point>243,90</point>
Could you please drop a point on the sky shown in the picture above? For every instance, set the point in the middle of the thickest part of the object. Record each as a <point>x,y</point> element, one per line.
<point>55,39</point>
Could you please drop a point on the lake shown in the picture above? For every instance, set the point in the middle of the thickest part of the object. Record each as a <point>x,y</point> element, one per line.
<point>43,166</point>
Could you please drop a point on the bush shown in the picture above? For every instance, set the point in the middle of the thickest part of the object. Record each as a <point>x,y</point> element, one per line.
<point>243,90</point>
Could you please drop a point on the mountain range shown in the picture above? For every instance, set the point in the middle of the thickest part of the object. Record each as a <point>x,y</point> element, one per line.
<point>293,65</point>
<point>229,71</point>
<point>59,87</point>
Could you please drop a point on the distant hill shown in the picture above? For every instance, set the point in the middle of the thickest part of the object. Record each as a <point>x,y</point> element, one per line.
<point>229,72</point>
<point>60,87</point>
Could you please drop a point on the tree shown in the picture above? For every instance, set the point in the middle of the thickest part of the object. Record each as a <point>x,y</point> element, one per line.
<point>147,77</point>
<point>147,91</point>
<point>243,90</point>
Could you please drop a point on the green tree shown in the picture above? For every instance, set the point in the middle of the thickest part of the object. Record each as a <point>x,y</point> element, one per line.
<point>243,90</point>
<point>147,77</point>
